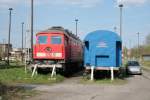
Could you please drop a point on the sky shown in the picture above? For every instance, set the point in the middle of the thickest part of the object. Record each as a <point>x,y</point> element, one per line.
<point>92,15</point>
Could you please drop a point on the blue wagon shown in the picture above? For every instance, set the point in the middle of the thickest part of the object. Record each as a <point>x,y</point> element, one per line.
<point>102,50</point>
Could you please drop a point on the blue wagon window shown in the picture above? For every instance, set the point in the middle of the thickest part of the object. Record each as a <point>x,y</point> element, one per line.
<point>42,39</point>
<point>56,40</point>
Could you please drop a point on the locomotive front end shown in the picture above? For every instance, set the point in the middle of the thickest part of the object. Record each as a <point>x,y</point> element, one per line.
<point>49,49</point>
<point>49,46</point>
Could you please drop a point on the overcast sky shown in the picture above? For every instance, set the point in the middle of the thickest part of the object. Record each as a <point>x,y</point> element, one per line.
<point>92,14</point>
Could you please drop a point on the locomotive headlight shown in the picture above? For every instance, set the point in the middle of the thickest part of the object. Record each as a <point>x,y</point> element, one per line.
<point>39,54</point>
<point>57,54</point>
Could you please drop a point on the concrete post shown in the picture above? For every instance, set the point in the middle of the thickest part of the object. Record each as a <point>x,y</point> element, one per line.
<point>92,73</point>
<point>53,71</point>
<point>112,73</point>
<point>35,68</point>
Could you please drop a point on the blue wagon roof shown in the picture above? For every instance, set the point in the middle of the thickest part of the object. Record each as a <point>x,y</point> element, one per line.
<point>102,34</point>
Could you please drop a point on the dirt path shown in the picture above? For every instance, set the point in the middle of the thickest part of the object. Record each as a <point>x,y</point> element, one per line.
<point>137,88</point>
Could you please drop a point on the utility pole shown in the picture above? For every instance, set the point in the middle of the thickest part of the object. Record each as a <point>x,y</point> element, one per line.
<point>121,8</point>
<point>32,29</point>
<point>22,39</point>
<point>4,50</point>
<point>76,20</point>
<point>138,53</point>
<point>10,10</point>
<point>27,46</point>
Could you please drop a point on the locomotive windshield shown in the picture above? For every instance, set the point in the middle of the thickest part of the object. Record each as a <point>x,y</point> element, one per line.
<point>42,39</point>
<point>56,40</point>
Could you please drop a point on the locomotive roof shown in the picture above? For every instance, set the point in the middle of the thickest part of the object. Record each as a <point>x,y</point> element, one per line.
<point>61,29</point>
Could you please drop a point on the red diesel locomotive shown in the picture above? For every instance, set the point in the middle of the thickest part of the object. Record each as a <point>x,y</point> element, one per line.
<point>57,46</point>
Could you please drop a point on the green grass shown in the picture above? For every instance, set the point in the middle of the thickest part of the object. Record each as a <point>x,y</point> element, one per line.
<point>15,74</point>
<point>14,64</point>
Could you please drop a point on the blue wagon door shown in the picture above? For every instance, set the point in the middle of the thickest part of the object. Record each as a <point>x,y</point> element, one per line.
<point>102,60</point>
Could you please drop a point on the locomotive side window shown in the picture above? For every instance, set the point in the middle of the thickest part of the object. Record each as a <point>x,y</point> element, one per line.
<point>42,39</point>
<point>66,41</point>
<point>56,40</point>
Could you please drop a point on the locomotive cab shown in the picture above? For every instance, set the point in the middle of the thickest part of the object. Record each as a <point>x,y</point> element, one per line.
<point>49,46</point>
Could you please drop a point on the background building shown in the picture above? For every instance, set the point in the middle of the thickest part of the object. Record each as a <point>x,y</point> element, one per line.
<point>4,51</point>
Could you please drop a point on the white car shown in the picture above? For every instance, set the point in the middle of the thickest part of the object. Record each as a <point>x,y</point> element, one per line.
<point>133,67</point>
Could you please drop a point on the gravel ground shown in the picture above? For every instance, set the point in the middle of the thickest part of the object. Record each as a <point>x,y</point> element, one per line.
<point>137,88</point>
